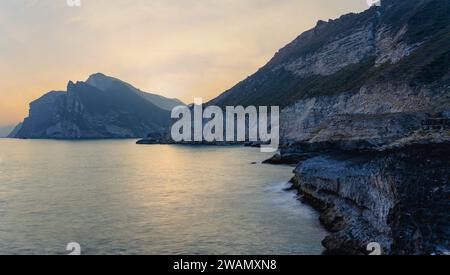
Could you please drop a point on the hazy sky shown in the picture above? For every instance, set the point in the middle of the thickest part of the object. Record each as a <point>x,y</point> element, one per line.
<point>177,48</point>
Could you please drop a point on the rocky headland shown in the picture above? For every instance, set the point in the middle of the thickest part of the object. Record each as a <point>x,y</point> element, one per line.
<point>366,120</point>
<point>101,107</point>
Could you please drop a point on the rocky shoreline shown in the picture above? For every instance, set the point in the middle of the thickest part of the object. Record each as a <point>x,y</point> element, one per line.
<point>397,198</point>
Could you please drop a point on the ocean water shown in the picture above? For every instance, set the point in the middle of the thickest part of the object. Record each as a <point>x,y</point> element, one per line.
<point>115,197</point>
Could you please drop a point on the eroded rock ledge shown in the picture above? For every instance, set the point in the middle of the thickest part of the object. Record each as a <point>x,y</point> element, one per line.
<point>398,198</point>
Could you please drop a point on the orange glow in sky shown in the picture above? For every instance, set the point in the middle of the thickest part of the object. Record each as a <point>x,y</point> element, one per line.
<point>176,48</point>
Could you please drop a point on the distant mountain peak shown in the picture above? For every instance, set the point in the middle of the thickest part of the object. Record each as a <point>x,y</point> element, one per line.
<point>98,75</point>
<point>108,83</point>
<point>102,81</point>
<point>100,107</point>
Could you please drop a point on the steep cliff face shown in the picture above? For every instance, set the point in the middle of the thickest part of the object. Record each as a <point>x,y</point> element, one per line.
<point>105,108</point>
<point>376,117</point>
<point>382,171</point>
<point>402,42</point>
<point>366,110</point>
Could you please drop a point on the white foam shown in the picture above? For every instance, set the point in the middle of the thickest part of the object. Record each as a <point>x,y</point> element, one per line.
<point>288,200</point>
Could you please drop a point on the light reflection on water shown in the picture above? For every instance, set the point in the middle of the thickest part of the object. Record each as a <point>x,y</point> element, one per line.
<point>115,197</point>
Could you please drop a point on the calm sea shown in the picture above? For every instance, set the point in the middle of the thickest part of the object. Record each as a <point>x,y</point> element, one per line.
<point>115,197</point>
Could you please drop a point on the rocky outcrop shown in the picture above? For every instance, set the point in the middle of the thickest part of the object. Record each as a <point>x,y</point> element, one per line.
<point>396,198</point>
<point>102,107</point>
<point>342,122</point>
<point>288,158</point>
